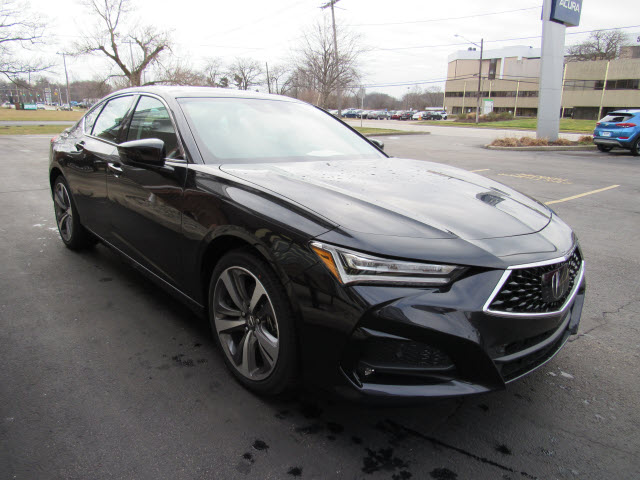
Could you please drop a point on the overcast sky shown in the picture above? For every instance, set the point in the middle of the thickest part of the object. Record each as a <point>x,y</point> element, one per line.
<point>409,40</point>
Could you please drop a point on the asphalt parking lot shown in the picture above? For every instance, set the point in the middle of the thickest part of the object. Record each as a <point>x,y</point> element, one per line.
<point>105,376</point>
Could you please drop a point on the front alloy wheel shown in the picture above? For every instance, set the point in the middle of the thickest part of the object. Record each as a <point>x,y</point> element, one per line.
<point>246,323</point>
<point>252,321</point>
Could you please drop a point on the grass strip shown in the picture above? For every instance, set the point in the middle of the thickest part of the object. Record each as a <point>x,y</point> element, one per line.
<point>567,125</point>
<point>31,129</point>
<point>11,115</point>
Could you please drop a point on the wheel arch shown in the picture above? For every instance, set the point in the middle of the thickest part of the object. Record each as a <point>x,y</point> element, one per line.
<point>222,244</point>
<point>53,174</point>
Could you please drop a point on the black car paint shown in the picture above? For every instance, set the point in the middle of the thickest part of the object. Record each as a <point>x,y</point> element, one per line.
<point>199,211</point>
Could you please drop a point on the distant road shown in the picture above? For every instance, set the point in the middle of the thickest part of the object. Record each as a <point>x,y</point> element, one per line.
<point>484,133</point>
<point>35,122</point>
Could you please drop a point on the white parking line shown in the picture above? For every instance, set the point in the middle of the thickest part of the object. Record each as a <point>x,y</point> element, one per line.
<point>582,194</point>
<point>481,170</point>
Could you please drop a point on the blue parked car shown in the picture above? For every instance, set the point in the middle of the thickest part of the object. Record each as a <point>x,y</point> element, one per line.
<point>619,129</point>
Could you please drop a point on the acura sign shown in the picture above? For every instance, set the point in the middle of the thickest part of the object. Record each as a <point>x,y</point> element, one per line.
<point>566,12</point>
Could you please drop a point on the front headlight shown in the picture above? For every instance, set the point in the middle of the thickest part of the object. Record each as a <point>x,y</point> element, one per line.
<point>351,267</point>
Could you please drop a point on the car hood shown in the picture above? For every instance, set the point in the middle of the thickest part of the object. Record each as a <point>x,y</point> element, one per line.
<point>400,197</point>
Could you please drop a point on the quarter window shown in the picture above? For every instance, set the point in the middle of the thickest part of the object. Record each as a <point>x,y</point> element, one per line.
<point>151,120</point>
<point>110,120</point>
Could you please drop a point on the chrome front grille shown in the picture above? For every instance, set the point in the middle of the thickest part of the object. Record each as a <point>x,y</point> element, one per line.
<point>537,290</point>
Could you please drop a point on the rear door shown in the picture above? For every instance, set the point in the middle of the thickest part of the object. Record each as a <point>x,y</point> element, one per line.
<point>91,147</point>
<point>145,201</point>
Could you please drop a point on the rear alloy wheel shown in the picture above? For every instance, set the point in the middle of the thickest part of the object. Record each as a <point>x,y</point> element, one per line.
<point>635,148</point>
<point>252,322</point>
<point>73,234</point>
<point>604,148</point>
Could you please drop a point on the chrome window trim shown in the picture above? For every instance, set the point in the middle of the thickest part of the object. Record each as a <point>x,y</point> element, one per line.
<point>507,273</point>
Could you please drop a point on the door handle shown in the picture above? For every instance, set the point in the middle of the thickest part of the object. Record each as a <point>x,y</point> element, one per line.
<point>114,168</point>
<point>80,145</point>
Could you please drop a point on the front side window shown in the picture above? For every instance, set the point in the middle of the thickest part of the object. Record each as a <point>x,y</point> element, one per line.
<point>246,130</point>
<point>151,120</point>
<point>110,120</point>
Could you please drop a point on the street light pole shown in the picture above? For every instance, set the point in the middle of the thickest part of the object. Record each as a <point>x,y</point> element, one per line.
<point>479,82</point>
<point>479,73</point>
<point>64,60</point>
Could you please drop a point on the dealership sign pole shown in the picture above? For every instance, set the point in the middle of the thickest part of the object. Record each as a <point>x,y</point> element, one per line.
<point>557,15</point>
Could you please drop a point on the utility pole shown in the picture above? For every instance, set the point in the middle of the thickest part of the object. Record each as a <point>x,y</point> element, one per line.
<point>66,74</point>
<point>479,81</point>
<point>335,51</point>
<point>266,64</point>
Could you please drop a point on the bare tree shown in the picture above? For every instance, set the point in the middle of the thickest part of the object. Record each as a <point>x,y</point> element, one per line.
<point>19,30</point>
<point>320,69</point>
<point>213,72</point>
<point>111,34</point>
<point>601,45</point>
<point>245,73</point>
<point>178,73</point>
<point>280,79</point>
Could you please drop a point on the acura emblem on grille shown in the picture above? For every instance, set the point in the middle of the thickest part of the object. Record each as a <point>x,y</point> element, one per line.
<point>555,283</point>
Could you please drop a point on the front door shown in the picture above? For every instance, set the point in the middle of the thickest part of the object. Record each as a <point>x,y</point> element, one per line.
<point>146,201</point>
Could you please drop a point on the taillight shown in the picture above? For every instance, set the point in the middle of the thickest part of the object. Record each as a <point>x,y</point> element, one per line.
<point>625,125</point>
<point>54,138</point>
<point>598,124</point>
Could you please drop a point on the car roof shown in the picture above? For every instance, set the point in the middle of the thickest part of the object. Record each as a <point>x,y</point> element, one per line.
<point>630,110</point>
<point>200,92</point>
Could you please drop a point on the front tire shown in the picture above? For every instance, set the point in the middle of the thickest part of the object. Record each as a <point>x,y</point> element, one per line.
<point>604,148</point>
<point>253,324</point>
<point>72,233</point>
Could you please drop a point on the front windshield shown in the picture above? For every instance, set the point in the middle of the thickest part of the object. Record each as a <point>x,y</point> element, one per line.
<point>249,130</point>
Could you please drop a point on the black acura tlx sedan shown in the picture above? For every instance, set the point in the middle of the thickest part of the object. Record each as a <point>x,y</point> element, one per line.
<point>318,259</point>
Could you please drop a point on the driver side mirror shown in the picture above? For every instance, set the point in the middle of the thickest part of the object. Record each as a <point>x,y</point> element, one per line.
<point>148,151</point>
<point>377,143</point>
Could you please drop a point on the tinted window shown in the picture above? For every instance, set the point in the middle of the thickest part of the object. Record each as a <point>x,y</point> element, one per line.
<point>90,118</point>
<point>151,120</point>
<point>617,117</point>
<point>110,119</point>
<point>253,129</point>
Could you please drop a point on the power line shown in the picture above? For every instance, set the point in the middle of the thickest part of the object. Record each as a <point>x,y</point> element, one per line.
<point>442,19</point>
<point>504,39</point>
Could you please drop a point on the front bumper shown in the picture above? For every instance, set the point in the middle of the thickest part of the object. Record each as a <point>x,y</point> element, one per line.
<point>391,343</point>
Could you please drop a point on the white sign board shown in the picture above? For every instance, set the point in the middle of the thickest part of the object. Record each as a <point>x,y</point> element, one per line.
<point>487,106</point>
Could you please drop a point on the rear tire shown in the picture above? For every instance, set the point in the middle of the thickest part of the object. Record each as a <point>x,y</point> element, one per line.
<point>635,148</point>
<point>72,233</point>
<point>252,323</point>
<point>604,148</point>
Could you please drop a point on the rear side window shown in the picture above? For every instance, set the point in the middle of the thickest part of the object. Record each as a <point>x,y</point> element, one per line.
<point>617,117</point>
<point>90,119</point>
<point>108,124</point>
<point>151,120</point>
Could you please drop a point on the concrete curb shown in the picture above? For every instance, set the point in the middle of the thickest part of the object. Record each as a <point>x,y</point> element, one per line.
<point>388,134</point>
<point>551,148</point>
